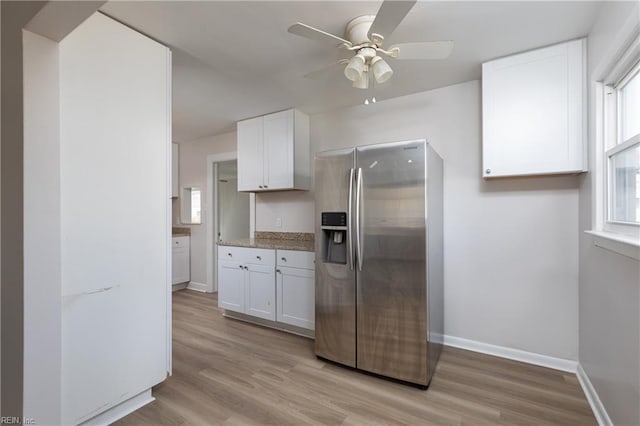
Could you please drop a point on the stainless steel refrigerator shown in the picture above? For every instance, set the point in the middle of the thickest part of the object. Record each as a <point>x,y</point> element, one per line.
<point>379,259</point>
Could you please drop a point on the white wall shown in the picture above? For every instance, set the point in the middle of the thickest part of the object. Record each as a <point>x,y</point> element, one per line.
<point>42,257</point>
<point>0,221</point>
<point>609,282</point>
<point>14,16</point>
<point>193,173</point>
<point>511,264</point>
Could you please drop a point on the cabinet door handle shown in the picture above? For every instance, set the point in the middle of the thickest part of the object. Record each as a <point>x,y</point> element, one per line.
<point>284,259</point>
<point>258,257</point>
<point>259,186</point>
<point>266,186</point>
<point>278,271</point>
<point>229,254</point>
<point>241,267</point>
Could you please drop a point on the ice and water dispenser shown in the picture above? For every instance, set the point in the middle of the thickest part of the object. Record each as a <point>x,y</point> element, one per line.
<point>334,237</point>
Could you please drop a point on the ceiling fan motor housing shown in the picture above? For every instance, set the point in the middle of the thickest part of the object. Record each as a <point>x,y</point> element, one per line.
<point>358,29</point>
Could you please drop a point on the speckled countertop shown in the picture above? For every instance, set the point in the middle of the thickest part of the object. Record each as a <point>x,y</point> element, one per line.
<point>180,232</point>
<point>275,240</point>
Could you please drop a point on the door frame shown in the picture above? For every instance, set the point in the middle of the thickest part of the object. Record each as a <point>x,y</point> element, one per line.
<point>211,216</point>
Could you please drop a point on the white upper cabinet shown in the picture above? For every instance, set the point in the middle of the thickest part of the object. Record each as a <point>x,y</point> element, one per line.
<point>533,109</point>
<point>273,152</point>
<point>250,155</point>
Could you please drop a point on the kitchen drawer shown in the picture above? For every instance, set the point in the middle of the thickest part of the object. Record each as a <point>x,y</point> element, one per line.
<point>296,259</point>
<point>254,256</point>
<point>180,242</point>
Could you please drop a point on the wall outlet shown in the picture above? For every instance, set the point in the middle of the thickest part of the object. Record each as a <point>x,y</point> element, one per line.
<point>278,222</point>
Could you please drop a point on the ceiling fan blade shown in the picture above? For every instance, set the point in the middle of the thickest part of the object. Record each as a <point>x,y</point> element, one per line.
<point>306,31</point>
<point>424,49</point>
<point>389,16</point>
<point>326,71</point>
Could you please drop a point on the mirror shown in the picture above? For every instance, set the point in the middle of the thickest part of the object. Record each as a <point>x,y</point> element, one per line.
<point>191,207</point>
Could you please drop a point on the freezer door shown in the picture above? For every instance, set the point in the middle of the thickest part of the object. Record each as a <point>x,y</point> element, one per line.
<point>335,333</point>
<point>391,287</point>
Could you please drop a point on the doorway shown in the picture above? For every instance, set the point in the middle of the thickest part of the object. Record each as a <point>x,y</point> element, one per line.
<point>229,213</point>
<point>233,206</point>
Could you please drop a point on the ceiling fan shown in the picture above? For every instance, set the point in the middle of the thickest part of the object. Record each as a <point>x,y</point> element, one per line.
<point>364,36</point>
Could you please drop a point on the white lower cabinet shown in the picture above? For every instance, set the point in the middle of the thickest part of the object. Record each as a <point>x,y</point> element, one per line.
<point>295,288</point>
<point>231,285</point>
<point>180,260</point>
<point>296,296</point>
<point>246,281</point>
<point>260,296</point>
<point>252,282</point>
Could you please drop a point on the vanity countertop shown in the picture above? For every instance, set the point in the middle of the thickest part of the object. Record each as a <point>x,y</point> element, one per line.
<point>275,240</point>
<point>180,232</point>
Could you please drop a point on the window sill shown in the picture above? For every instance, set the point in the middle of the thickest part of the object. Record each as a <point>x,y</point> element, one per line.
<point>622,244</point>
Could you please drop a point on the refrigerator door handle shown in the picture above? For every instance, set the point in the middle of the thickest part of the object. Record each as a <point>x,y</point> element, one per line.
<point>349,218</point>
<point>358,202</point>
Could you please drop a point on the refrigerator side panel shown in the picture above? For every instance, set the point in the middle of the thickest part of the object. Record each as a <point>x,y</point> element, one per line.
<point>391,288</point>
<point>435,257</point>
<point>335,333</point>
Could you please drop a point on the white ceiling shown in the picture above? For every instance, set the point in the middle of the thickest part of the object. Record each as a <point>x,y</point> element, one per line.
<point>235,59</point>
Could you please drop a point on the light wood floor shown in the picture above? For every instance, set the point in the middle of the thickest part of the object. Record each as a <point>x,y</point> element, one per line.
<point>229,372</point>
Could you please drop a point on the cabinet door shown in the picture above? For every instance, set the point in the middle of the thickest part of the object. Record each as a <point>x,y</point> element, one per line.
<point>278,150</point>
<point>532,105</point>
<point>231,283</point>
<point>261,292</point>
<point>296,297</point>
<point>250,155</point>
<point>180,265</point>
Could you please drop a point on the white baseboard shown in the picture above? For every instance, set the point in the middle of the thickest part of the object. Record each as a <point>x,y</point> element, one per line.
<point>196,286</point>
<point>119,411</point>
<point>176,287</point>
<point>594,400</point>
<point>514,354</point>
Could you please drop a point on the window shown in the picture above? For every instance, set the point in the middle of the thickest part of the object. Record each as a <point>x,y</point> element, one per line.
<point>622,153</point>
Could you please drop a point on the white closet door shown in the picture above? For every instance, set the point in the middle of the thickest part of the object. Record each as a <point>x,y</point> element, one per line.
<point>115,142</point>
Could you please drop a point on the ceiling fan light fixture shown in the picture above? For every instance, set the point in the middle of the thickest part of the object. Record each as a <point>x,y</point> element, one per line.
<point>363,81</point>
<point>355,68</point>
<point>382,72</point>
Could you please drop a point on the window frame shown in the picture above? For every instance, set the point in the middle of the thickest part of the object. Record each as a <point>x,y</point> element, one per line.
<point>622,73</point>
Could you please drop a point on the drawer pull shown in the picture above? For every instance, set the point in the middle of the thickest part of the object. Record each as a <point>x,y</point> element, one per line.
<point>229,254</point>
<point>284,259</point>
<point>278,271</point>
<point>258,257</point>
